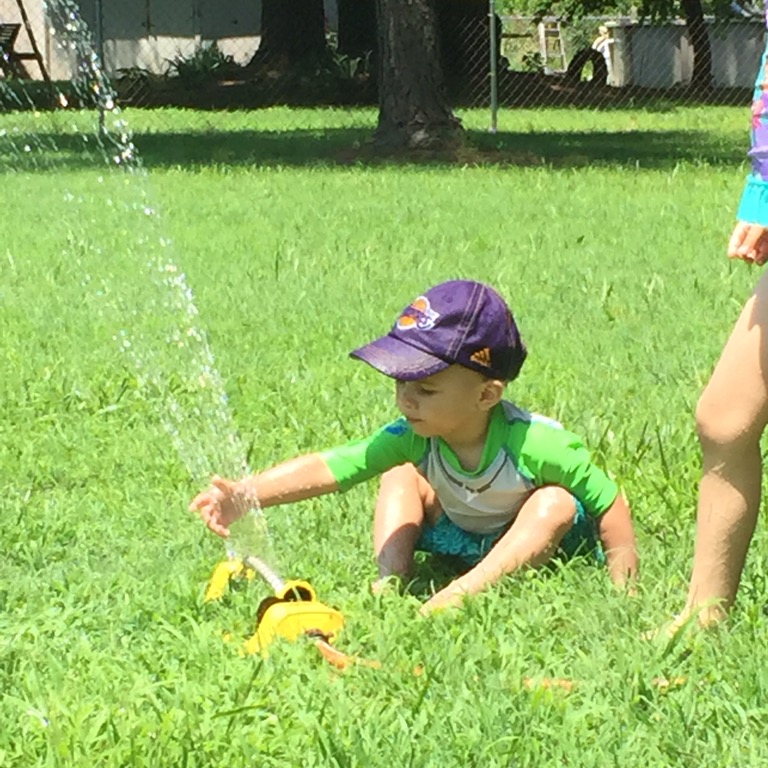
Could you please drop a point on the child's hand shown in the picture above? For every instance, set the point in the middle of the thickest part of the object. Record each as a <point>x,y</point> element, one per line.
<point>223,503</point>
<point>749,242</point>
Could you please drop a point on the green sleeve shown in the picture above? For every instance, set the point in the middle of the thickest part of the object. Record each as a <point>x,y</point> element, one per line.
<point>553,456</point>
<point>363,459</point>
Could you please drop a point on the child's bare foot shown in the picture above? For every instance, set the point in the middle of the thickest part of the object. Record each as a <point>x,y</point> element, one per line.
<point>703,617</point>
<point>387,585</point>
<point>451,597</point>
<point>668,630</point>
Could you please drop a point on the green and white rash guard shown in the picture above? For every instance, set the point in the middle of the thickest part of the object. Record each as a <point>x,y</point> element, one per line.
<point>523,451</point>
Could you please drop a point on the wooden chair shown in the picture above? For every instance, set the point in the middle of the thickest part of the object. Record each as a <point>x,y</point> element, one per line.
<point>8,35</point>
<point>11,60</point>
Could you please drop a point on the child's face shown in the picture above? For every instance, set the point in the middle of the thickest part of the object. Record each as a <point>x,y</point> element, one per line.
<point>449,404</point>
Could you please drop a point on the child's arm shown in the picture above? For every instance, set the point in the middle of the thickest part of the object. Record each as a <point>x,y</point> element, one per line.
<point>618,538</point>
<point>749,240</point>
<point>295,480</point>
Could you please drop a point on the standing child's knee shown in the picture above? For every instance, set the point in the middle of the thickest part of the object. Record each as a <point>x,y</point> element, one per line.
<point>724,426</point>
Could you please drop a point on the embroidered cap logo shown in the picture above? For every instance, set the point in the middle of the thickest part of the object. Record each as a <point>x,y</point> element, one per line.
<point>482,357</point>
<point>418,315</point>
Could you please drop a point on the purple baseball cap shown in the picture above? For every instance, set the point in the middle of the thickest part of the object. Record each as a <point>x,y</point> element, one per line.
<point>458,322</point>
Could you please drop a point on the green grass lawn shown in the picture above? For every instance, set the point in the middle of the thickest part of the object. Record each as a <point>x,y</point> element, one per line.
<point>606,233</point>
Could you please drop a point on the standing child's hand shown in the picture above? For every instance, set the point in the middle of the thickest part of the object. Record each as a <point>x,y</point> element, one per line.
<point>749,242</point>
<point>221,504</point>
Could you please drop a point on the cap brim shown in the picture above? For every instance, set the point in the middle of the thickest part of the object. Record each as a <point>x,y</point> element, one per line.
<point>399,360</point>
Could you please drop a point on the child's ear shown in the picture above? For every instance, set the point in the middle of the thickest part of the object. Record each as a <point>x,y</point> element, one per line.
<point>492,392</point>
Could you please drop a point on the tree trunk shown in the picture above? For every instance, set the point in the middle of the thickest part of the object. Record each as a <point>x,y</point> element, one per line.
<point>413,108</point>
<point>357,27</point>
<point>702,51</point>
<point>292,31</point>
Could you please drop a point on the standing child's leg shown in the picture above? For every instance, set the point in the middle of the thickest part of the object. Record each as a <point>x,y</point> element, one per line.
<point>405,501</point>
<point>731,417</point>
<point>531,541</point>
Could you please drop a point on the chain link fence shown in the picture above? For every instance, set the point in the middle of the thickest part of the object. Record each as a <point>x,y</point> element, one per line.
<point>252,53</point>
<point>615,61</point>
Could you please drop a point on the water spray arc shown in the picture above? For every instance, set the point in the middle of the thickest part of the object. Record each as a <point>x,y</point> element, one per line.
<point>172,359</point>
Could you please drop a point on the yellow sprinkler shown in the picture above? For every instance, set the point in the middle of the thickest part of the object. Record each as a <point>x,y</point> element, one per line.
<point>224,573</point>
<point>292,612</point>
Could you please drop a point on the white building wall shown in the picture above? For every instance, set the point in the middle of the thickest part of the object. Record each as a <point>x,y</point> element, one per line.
<point>661,56</point>
<point>150,33</point>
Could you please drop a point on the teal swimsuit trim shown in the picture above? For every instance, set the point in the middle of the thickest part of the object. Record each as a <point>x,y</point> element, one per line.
<point>446,538</point>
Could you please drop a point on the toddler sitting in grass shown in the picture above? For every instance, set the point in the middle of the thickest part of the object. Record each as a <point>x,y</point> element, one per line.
<point>464,472</point>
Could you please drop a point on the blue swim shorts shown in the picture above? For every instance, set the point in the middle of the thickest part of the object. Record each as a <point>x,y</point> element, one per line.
<point>446,538</point>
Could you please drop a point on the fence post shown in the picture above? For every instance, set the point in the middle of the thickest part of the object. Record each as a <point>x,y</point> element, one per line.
<point>494,65</point>
<point>99,33</point>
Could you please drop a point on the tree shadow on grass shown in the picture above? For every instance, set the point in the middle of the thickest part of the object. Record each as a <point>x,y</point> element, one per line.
<point>345,147</point>
<point>352,147</point>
